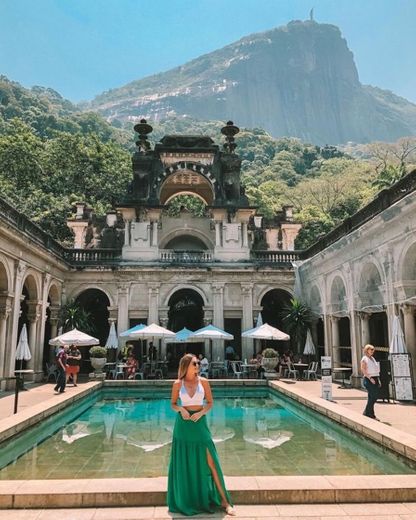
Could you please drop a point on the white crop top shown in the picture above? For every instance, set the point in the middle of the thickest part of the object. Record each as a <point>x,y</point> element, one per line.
<point>373,367</point>
<point>196,400</point>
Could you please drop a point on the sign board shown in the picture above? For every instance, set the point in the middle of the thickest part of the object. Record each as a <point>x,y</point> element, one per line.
<point>326,378</point>
<point>401,365</point>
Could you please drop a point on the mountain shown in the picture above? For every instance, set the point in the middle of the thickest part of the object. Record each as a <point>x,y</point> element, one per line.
<point>299,80</point>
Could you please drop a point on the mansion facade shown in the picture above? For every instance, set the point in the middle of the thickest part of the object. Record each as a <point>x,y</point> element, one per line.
<point>145,264</point>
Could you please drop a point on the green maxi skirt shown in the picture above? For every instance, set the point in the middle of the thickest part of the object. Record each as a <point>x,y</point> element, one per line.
<point>191,487</point>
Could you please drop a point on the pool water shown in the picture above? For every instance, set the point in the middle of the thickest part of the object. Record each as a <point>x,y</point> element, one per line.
<point>261,434</point>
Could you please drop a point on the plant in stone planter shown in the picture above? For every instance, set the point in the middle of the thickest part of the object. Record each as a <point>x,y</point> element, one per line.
<point>269,362</point>
<point>98,357</point>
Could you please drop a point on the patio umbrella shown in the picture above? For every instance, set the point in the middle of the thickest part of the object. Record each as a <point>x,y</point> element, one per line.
<point>152,332</point>
<point>309,349</point>
<point>22,349</point>
<point>127,333</point>
<point>397,344</point>
<point>183,336</point>
<point>112,341</point>
<point>266,331</point>
<point>259,321</point>
<point>74,337</point>
<point>210,332</point>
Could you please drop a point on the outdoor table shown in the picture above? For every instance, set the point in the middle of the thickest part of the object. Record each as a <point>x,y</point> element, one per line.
<point>301,367</point>
<point>248,368</point>
<point>123,366</point>
<point>109,367</point>
<point>22,374</point>
<point>342,371</point>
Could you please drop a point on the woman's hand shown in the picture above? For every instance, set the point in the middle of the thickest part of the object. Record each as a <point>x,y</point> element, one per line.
<point>196,416</point>
<point>185,414</point>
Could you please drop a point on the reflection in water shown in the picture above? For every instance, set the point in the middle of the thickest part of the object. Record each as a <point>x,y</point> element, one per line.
<point>254,436</point>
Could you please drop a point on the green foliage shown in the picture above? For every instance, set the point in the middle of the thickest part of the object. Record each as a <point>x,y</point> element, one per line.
<point>298,317</point>
<point>73,316</point>
<point>270,353</point>
<point>188,202</point>
<point>98,352</point>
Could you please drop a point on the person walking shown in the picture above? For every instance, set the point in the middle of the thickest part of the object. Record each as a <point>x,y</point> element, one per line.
<point>61,364</point>
<point>195,480</point>
<point>73,364</point>
<point>371,373</point>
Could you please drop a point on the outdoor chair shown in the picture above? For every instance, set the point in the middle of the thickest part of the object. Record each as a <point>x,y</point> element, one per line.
<point>119,371</point>
<point>51,371</point>
<point>204,371</point>
<point>291,371</point>
<point>237,369</point>
<point>139,375</point>
<point>310,373</point>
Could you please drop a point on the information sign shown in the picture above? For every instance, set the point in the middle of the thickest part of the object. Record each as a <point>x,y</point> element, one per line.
<point>326,378</point>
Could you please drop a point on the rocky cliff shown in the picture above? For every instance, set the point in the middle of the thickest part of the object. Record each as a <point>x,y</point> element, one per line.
<point>298,80</point>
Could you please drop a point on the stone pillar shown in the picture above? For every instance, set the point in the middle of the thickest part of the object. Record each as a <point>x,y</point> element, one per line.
<point>247,322</point>
<point>335,341</point>
<point>410,333</point>
<point>164,320</point>
<point>207,321</point>
<point>153,303</point>
<point>328,335</point>
<point>218,318</point>
<point>34,315</point>
<point>365,328</point>
<point>5,310</point>
<point>155,234</point>
<point>217,234</point>
<point>53,320</point>
<point>127,224</point>
<point>44,304</point>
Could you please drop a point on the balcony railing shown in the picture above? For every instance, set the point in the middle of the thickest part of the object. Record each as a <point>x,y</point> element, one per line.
<point>284,258</point>
<point>185,257</point>
<point>93,257</point>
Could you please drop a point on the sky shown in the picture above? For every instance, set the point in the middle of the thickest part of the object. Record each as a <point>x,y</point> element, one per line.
<point>83,47</point>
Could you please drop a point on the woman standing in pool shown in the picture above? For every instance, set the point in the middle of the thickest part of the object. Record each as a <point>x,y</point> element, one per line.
<point>195,482</point>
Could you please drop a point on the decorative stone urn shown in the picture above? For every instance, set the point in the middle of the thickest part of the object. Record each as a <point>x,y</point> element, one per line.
<point>269,362</point>
<point>98,358</point>
<point>98,364</point>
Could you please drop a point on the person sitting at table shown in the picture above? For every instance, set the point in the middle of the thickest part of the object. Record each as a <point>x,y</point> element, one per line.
<point>132,365</point>
<point>152,352</point>
<point>203,365</point>
<point>73,364</point>
<point>260,369</point>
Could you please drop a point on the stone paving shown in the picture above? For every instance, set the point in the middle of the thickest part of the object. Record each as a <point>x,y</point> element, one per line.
<point>392,511</point>
<point>399,416</point>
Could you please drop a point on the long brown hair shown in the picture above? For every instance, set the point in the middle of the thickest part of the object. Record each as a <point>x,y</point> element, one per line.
<point>184,363</point>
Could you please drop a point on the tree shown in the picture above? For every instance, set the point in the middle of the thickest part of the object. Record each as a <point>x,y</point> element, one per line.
<point>73,316</point>
<point>298,318</point>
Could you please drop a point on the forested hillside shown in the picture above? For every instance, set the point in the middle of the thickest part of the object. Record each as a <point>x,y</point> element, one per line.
<point>52,155</point>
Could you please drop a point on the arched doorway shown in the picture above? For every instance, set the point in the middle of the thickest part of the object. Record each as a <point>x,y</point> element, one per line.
<point>96,303</point>
<point>185,310</point>
<point>273,303</point>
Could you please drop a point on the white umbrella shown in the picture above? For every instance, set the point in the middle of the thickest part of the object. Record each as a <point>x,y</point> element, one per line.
<point>22,349</point>
<point>259,321</point>
<point>112,341</point>
<point>266,331</point>
<point>152,331</point>
<point>309,349</point>
<point>74,337</point>
<point>397,344</point>
<point>211,332</point>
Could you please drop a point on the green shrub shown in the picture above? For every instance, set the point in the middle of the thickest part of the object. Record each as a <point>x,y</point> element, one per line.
<point>98,352</point>
<point>270,353</point>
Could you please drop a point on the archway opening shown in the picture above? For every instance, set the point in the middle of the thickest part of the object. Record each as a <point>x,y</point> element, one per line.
<point>185,310</point>
<point>187,182</point>
<point>345,354</point>
<point>273,303</point>
<point>186,243</point>
<point>96,303</point>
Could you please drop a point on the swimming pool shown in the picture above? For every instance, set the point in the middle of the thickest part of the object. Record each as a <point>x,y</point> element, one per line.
<point>127,433</point>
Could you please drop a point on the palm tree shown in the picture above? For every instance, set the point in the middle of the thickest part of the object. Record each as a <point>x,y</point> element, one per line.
<point>73,316</point>
<point>298,318</point>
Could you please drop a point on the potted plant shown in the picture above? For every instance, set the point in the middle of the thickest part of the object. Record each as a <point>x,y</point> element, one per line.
<point>98,358</point>
<point>269,362</point>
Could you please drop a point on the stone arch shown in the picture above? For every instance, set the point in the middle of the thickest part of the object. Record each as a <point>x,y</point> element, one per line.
<point>54,294</point>
<point>84,287</point>
<point>96,302</point>
<point>272,303</point>
<point>32,283</point>
<point>370,285</point>
<point>338,295</point>
<point>185,286</point>
<point>176,233</point>
<point>406,272</point>
<point>264,291</point>
<point>315,300</point>
<point>186,176</point>
<point>5,276</point>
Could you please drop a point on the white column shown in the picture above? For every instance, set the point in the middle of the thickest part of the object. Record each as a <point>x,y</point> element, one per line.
<point>410,332</point>
<point>42,322</point>
<point>123,308</point>
<point>218,317</point>
<point>34,314</point>
<point>217,234</point>
<point>365,328</point>
<point>335,341</point>
<point>155,234</point>
<point>153,303</point>
<point>247,322</point>
<point>5,310</point>
<point>127,232</point>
